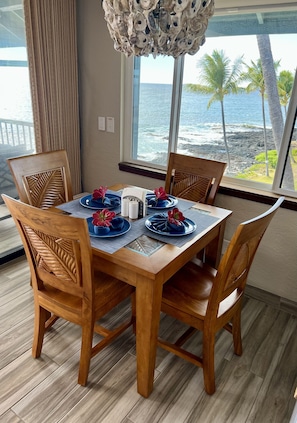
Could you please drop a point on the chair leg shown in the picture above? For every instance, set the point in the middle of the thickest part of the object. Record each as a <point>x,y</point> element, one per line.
<point>85,354</point>
<point>236,332</point>
<point>208,363</point>
<point>39,329</point>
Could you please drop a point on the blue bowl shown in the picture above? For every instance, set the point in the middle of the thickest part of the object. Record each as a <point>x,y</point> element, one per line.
<point>101,230</point>
<point>176,228</point>
<point>117,223</point>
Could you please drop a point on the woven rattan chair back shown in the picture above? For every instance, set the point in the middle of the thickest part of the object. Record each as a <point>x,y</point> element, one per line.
<point>42,180</point>
<point>193,178</point>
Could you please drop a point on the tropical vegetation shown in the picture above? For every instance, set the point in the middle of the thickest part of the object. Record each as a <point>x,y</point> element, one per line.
<point>219,77</point>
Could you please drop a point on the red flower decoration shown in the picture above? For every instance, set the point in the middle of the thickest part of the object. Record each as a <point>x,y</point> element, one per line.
<point>175,216</point>
<point>103,217</point>
<point>160,193</point>
<point>99,193</point>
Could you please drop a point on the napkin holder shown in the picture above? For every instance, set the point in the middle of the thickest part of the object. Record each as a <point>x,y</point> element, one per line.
<point>137,194</point>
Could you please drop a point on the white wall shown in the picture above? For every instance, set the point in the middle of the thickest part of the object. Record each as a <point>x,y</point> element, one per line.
<point>275,266</point>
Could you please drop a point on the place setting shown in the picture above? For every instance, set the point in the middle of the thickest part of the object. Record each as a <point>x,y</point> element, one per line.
<point>172,223</point>
<point>159,199</point>
<point>100,199</point>
<point>106,224</point>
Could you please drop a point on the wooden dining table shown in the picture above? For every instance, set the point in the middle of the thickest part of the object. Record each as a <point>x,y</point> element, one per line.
<point>148,273</point>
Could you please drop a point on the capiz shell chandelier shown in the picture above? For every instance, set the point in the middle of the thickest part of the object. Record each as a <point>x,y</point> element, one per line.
<point>166,27</point>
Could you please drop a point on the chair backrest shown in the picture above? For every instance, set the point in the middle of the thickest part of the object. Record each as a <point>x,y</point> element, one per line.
<point>42,180</point>
<point>236,262</point>
<point>57,247</point>
<point>193,178</point>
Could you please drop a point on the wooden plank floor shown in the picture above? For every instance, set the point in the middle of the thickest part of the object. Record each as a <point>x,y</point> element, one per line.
<point>10,239</point>
<point>257,387</point>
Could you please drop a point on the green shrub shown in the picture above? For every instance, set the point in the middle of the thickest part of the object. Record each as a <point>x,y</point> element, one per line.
<point>272,158</point>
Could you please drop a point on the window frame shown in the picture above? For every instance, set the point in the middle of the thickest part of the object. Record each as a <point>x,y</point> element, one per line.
<point>222,8</point>
<point>290,124</point>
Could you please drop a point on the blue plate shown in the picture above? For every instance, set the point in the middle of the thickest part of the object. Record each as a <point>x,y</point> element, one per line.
<point>112,233</point>
<point>158,224</point>
<point>163,204</point>
<point>113,201</point>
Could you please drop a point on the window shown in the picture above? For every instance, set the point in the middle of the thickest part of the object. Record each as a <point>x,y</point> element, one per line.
<point>16,120</point>
<point>175,110</point>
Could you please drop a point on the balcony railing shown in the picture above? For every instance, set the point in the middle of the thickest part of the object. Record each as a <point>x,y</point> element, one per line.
<point>16,139</point>
<point>16,133</point>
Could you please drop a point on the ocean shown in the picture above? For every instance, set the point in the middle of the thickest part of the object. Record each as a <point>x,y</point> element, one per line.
<point>198,124</point>
<point>15,97</point>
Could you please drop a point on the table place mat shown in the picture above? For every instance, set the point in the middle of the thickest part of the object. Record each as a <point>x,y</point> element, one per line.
<point>111,245</point>
<point>76,209</point>
<point>203,221</point>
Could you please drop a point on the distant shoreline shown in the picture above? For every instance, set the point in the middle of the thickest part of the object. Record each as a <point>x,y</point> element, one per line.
<point>243,147</point>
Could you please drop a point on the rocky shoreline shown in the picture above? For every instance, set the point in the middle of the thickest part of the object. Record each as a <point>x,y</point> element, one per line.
<point>243,148</point>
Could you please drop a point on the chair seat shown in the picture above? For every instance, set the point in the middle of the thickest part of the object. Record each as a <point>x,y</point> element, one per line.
<point>183,292</point>
<point>107,288</point>
<point>108,292</point>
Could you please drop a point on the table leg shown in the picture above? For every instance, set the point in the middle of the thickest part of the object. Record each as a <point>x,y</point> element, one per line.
<point>213,251</point>
<point>148,306</point>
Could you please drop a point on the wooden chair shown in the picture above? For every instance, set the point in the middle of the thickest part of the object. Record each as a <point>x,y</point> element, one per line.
<point>193,178</point>
<point>42,180</point>
<point>64,281</point>
<point>208,300</point>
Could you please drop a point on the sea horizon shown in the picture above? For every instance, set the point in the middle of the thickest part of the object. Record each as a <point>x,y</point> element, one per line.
<point>198,125</point>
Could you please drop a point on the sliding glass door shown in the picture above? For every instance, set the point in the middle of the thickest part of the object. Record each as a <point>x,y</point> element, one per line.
<point>16,122</point>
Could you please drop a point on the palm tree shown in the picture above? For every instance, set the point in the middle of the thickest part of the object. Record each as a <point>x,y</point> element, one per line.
<point>285,85</point>
<point>219,78</point>
<point>255,78</point>
<point>275,112</point>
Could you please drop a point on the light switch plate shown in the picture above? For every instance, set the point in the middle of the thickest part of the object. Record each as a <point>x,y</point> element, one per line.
<point>110,124</point>
<point>101,123</point>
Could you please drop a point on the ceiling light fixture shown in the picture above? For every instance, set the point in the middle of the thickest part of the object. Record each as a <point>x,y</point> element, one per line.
<point>157,27</point>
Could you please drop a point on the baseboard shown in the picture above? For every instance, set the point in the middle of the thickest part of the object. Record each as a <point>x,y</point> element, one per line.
<point>11,255</point>
<point>275,301</point>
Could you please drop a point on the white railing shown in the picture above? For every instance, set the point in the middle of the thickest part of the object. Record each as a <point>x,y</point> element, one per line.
<point>17,133</point>
<point>16,139</point>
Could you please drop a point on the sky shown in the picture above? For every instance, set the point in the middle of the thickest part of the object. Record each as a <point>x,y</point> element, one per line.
<point>159,70</point>
<point>284,47</point>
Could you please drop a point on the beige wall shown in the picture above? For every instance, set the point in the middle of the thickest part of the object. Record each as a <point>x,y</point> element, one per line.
<point>275,266</point>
